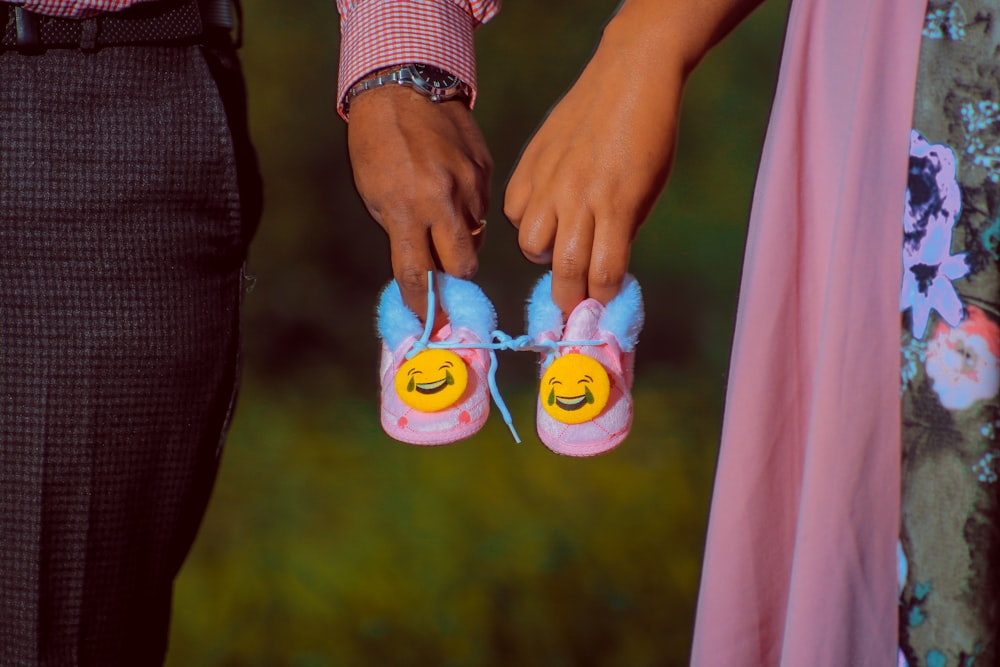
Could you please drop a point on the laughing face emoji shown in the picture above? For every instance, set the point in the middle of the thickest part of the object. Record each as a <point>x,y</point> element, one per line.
<point>432,380</point>
<point>575,389</point>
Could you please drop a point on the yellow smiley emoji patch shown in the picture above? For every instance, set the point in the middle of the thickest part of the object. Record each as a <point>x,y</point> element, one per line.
<point>575,389</point>
<point>432,380</point>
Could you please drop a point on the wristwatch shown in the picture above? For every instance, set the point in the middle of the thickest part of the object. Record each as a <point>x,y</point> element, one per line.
<point>434,82</point>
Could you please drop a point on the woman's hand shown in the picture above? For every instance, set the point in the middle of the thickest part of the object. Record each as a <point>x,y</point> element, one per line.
<point>589,177</point>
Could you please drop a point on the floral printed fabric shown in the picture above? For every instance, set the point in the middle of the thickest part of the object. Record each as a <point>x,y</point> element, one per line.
<point>950,534</point>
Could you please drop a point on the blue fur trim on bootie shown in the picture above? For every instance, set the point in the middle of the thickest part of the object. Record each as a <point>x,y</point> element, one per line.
<point>624,314</point>
<point>467,306</point>
<point>543,315</point>
<point>464,302</point>
<point>395,322</point>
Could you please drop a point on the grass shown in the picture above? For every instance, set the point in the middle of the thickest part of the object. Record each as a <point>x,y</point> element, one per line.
<point>328,544</point>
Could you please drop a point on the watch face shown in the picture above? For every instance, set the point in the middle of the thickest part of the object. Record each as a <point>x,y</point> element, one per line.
<point>435,77</point>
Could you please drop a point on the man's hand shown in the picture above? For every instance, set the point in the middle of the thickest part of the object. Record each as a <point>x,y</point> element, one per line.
<point>423,170</point>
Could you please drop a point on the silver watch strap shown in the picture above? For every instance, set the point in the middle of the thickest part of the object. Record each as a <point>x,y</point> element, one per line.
<point>400,75</point>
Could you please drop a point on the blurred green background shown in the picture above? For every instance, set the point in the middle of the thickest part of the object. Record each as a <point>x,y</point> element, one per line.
<point>327,543</point>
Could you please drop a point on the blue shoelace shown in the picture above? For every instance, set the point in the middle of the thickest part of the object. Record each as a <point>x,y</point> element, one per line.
<point>499,341</point>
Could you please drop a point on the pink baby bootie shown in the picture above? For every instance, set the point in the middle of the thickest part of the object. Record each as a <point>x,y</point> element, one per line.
<point>435,391</point>
<point>584,398</point>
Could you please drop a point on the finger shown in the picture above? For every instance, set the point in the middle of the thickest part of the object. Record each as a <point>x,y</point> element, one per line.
<point>412,259</point>
<point>608,260</point>
<point>571,260</point>
<point>537,235</point>
<point>478,209</point>
<point>478,234</point>
<point>515,199</point>
<point>454,246</point>
<point>470,202</point>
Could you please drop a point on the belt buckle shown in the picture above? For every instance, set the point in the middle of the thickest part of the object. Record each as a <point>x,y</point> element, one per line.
<point>26,30</point>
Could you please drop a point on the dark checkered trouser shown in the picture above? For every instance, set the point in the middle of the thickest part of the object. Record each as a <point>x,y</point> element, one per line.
<point>123,234</point>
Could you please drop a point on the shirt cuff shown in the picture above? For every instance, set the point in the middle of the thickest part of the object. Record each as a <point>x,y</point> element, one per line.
<point>374,35</point>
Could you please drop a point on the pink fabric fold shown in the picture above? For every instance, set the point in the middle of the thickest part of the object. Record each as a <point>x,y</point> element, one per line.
<point>800,563</point>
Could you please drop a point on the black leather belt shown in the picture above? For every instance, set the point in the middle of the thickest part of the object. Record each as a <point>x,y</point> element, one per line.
<point>175,22</point>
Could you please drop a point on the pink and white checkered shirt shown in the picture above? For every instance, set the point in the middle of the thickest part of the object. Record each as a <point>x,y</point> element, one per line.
<point>374,33</point>
<point>379,33</point>
<point>75,9</point>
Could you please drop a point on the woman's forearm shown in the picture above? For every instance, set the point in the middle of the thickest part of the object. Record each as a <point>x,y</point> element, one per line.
<point>674,33</point>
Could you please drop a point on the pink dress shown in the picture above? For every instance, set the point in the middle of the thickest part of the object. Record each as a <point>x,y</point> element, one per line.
<point>800,563</point>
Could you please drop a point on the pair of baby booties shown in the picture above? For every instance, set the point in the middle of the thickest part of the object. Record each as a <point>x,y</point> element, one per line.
<point>435,389</point>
